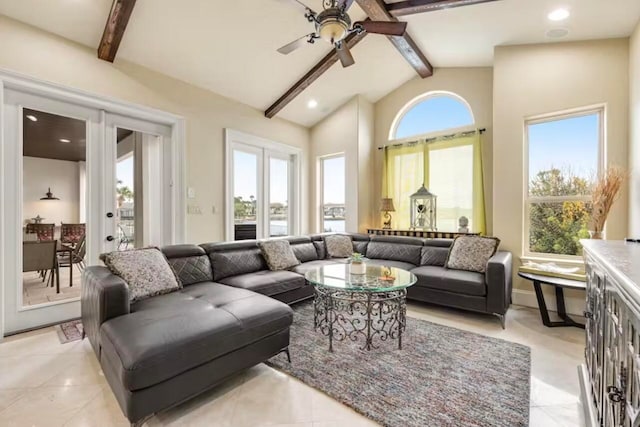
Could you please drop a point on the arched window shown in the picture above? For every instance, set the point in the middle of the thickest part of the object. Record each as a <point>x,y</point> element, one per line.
<point>450,167</point>
<point>430,113</point>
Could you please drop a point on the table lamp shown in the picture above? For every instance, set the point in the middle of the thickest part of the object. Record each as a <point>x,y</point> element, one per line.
<point>386,206</point>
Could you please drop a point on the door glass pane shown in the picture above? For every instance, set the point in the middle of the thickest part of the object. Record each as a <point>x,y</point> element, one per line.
<point>139,184</point>
<point>333,194</point>
<point>53,207</point>
<point>126,189</point>
<point>245,190</point>
<point>278,197</point>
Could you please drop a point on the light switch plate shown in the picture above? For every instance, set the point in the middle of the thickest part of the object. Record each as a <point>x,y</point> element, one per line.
<point>191,193</point>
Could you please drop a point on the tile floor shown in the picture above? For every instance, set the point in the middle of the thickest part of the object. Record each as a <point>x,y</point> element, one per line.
<point>45,383</point>
<point>34,291</point>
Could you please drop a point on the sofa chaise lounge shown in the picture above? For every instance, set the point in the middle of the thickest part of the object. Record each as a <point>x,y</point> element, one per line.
<point>232,311</point>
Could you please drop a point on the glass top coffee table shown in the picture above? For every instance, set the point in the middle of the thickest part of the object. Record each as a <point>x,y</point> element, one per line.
<point>370,307</point>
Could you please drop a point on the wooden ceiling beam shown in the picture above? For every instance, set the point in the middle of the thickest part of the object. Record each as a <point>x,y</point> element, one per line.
<point>319,69</point>
<point>376,10</point>
<point>114,29</point>
<point>412,7</point>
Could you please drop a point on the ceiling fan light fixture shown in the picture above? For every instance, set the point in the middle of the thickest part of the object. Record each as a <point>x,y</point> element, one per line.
<point>333,30</point>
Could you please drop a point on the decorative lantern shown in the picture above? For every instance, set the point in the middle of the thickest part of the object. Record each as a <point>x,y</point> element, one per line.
<point>423,209</point>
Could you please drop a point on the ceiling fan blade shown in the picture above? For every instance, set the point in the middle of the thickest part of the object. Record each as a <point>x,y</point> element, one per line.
<point>345,4</point>
<point>344,54</point>
<point>288,48</point>
<point>381,27</point>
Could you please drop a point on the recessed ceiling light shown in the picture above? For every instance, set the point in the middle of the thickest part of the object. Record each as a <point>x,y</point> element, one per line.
<point>64,140</point>
<point>312,103</point>
<point>558,15</point>
<point>32,118</point>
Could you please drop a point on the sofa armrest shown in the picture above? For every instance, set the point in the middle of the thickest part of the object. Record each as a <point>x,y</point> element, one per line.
<point>104,296</point>
<point>499,280</point>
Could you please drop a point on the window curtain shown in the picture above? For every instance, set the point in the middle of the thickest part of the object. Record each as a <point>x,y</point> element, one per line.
<point>451,169</point>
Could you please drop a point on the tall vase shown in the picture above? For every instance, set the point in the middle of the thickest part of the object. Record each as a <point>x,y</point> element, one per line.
<point>596,235</point>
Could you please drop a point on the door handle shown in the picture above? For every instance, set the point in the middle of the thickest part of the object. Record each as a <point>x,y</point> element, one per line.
<point>109,214</point>
<point>110,238</point>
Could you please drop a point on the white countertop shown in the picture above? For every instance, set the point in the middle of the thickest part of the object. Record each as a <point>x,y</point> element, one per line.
<point>621,260</point>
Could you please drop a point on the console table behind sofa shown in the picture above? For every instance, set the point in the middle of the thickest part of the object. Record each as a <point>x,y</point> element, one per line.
<point>425,234</point>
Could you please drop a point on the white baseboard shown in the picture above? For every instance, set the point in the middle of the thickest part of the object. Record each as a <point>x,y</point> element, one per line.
<point>573,305</point>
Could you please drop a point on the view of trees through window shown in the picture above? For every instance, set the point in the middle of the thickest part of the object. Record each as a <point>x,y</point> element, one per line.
<point>563,163</point>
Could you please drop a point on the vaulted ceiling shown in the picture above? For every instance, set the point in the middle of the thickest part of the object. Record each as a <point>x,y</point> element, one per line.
<point>229,47</point>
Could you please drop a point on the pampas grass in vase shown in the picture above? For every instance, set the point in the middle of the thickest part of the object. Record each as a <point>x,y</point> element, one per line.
<point>606,191</point>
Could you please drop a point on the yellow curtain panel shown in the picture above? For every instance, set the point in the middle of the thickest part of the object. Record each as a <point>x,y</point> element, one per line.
<point>451,169</point>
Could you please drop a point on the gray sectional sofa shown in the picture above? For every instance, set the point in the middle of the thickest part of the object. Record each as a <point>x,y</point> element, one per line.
<point>232,311</point>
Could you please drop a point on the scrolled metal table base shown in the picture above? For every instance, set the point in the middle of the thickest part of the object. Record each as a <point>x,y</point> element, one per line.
<point>372,316</point>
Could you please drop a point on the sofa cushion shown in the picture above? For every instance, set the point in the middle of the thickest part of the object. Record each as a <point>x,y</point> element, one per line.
<point>458,281</point>
<point>312,265</point>
<point>338,245</point>
<point>234,258</point>
<point>360,246</point>
<point>397,251</point>
<point>391,263</point>
<point>433,255</point>
<point>146,272</point>
<point>305,252</point>
<point>190,263</point>
<point>321,250</point>
<point>471,253</point>
<point>266,282</point>
<point>170,334</point>
<point>278,254</point>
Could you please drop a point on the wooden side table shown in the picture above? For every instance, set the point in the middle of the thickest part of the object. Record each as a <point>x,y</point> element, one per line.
<point>559,284</point>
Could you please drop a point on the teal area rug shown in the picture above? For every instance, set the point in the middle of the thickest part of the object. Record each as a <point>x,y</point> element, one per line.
<point>442,377</point>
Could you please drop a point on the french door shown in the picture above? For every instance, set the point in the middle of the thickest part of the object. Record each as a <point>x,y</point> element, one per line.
<point>262,188</point>
<point>64,169</point>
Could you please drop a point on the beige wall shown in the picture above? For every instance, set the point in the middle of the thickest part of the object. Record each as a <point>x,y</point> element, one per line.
<point>537,79</point>
<point>33,52</point>
<point>348,130</point>
<point>475,85</point>
<point>63,178</point>
<point>634,133</point>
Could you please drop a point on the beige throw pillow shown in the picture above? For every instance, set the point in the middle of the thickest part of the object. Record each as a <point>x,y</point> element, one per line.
<point>278,254</point>
<point>471,253</point>
<point>338,246</point>
<point>146,271</point>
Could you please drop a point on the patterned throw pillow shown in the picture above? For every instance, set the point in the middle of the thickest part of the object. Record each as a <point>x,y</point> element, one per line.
<point>471,253</point>
<point>146,271</point>
<point>278,254</point>
<point>338,246</point>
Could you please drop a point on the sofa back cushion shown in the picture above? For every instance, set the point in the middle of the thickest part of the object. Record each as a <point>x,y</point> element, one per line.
<point>434,256</point>
<point>435,252</point>
<point>406,249</point>
<point>303,248</point>
<point>234,258</point>
<point>321,250</point>
<point>190,263</point>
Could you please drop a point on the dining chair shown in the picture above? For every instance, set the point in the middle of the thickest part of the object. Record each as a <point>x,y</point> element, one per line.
<point>72,233</point>
<point>74,257</point>
<point>41,256</point>
<point>43,231</point>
